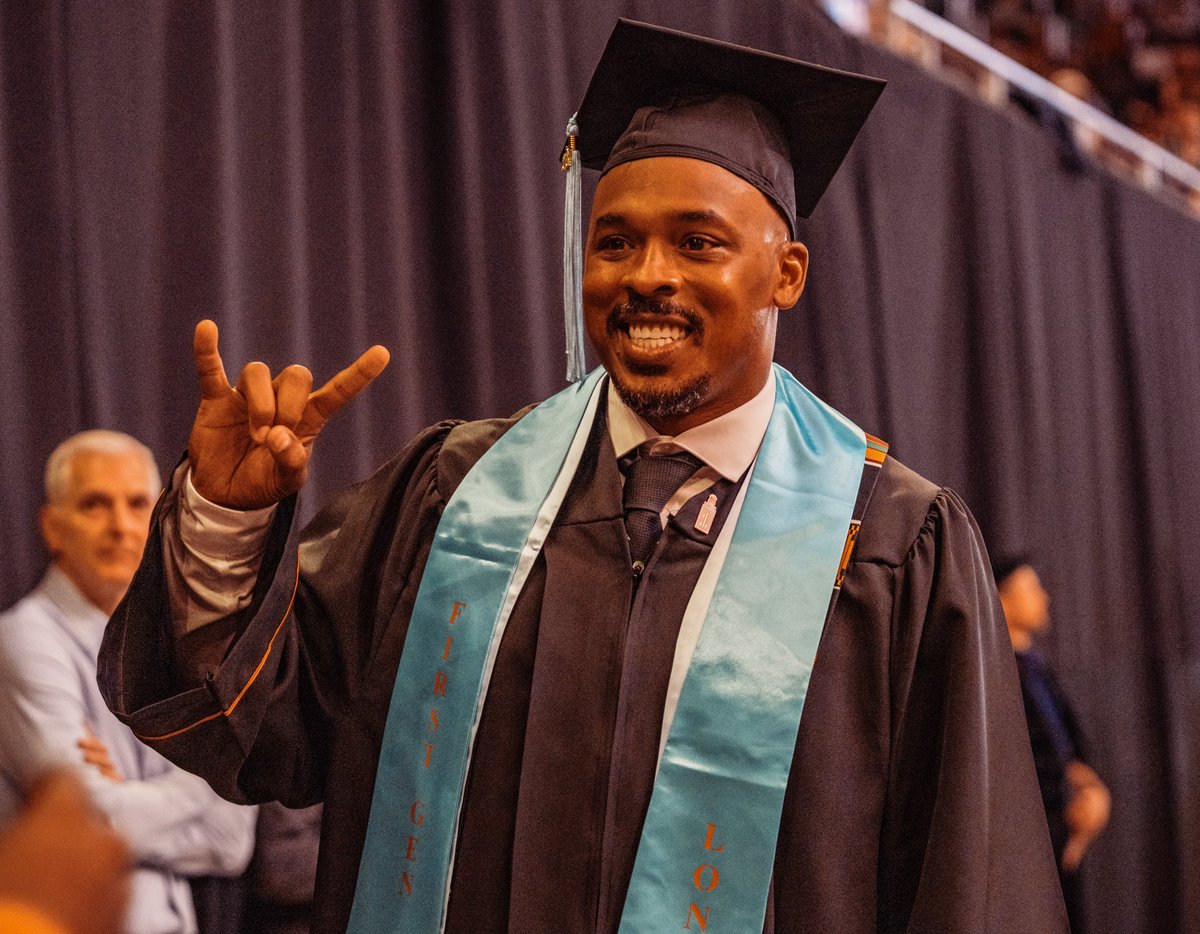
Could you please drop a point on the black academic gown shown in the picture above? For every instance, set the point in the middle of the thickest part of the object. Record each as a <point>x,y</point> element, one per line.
<point>912,803</point>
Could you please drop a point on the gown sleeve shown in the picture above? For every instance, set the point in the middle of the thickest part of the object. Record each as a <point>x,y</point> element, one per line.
<point>964,845</point>
<point>913,804</point>
<point>259,726</point>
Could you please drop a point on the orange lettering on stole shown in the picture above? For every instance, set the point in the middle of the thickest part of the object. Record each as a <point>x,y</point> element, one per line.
<point>459,606</point>
<point>411,853</point>
<point>714,879</point>
<point>446,650</point>
<point>434,723</point>
<point>439,684</point>
<point>416,818</point>
<point>428,753</point>
<point>706,878</point>
<point>700,919</point>
<point>406,883</point>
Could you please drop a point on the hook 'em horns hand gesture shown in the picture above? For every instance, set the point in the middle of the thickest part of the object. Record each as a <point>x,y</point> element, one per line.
<point>251,443</point>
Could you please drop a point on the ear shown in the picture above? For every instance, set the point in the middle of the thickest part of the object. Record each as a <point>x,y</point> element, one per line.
<point>793,272</point>
<point>48,520</point>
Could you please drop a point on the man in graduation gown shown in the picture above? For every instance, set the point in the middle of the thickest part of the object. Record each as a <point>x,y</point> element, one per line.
<point>304,667</point>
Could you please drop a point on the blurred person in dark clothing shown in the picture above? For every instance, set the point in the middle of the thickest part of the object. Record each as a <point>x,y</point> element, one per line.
<point>1077,801</point>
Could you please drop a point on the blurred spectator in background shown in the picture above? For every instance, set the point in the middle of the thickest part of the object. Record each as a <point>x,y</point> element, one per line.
<point>1138,62</point>
<point>1021,36</point>
<point>1077,801</point>
<point>62,868</point>
<point>1104,53</point>
<point>100,487</point>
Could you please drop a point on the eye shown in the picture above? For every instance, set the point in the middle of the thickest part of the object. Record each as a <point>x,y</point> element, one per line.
<point>93,503</point>
<point>612,243</point>
<point>696,243</point>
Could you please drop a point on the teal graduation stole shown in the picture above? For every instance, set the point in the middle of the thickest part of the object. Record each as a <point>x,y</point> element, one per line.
<point>707,848</point>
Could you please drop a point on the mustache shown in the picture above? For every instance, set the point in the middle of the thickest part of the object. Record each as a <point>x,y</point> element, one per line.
<point>621,316</point>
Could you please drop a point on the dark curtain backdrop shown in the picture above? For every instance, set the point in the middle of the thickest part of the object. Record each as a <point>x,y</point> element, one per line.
<point>318,177</point>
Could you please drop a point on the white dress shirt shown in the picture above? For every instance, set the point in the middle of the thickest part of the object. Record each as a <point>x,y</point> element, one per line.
<point>726,445</point>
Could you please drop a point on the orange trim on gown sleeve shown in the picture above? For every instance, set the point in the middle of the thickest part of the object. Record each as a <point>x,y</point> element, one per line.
<point>242,693</point>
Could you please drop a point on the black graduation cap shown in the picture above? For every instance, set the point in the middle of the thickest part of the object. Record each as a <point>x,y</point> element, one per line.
<point>781,124</point>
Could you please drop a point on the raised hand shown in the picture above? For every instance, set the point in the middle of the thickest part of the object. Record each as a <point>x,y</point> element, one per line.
<point>251,444</point>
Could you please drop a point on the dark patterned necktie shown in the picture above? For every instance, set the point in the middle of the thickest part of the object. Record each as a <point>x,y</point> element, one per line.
<point>650,481</point>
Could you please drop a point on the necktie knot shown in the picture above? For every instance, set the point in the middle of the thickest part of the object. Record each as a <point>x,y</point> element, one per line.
<point>650,482</point>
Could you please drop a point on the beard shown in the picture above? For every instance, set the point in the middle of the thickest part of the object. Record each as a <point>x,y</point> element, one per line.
<point>657,404</point>
<point>653,404</point>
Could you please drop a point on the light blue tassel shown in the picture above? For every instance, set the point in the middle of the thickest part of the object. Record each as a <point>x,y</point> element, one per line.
<point>573,256</point>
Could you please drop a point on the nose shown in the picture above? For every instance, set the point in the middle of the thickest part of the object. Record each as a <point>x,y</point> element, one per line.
<point>653,271</point>
<point>123,519</point>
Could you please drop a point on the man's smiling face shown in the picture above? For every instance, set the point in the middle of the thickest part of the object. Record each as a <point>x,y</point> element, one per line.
<point>686,268</point>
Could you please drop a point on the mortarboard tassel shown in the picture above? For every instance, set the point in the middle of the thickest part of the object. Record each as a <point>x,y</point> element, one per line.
<point>573,255</point>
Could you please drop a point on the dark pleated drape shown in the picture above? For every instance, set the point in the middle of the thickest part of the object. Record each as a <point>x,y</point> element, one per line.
<point>321,176</point>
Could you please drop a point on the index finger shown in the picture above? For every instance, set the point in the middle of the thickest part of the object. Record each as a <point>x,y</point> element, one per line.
<point>213,381</point>
<point>344,386</point>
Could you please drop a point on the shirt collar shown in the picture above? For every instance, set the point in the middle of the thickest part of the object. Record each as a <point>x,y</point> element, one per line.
<point>727,443</point>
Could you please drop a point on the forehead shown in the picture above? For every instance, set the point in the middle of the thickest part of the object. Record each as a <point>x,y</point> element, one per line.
<point>681,185</point>
<point>126,472</point>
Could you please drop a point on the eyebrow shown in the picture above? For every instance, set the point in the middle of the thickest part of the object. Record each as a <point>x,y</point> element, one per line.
<point>610,220</point>
<point>691,217</point>
<point>701,217</point>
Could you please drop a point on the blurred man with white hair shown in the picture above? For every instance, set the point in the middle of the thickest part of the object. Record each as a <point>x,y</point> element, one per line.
<point>100,488</point>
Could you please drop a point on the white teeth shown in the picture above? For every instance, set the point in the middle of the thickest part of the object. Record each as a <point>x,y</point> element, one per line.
<point>658,335</point>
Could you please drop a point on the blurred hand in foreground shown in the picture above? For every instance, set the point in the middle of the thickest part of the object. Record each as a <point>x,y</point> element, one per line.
<point>60,857</point>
